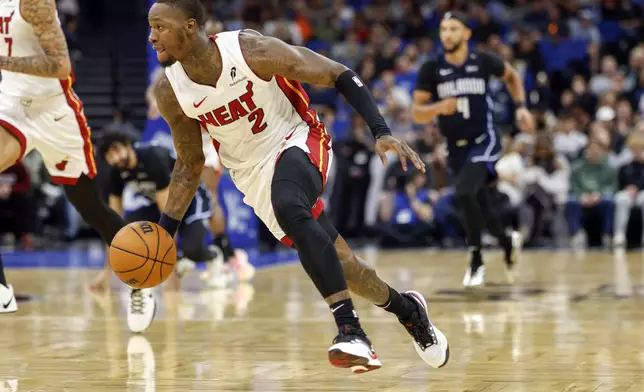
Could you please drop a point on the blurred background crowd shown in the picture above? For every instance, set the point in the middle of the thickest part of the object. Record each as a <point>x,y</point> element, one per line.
<point>579,180</point>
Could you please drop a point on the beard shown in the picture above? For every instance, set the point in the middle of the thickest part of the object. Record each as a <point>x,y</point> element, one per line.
<point>454,48</point>
<point>167,62</point>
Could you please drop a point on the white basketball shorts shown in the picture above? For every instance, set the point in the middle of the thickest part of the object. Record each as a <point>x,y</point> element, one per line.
<point>55,126</point>
<point>255,182</point>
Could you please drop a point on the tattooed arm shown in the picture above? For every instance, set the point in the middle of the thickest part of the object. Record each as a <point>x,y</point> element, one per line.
<point>186,135</point>
<point>54,61</point>
<point>269,56</point>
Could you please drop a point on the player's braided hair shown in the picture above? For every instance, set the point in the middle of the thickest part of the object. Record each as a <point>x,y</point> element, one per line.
<point>191,8</point>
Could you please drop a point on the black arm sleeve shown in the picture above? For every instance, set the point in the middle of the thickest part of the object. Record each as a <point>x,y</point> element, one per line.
<point>116,184</point>
<point>492,64</point>
<point>426,77</point>
<point>358,96</point>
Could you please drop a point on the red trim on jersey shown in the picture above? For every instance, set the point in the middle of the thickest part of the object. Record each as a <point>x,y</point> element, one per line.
<point>86,133</point>
<point>18,135</point>
<point>317,210</point>
<point>64,180</point>
<point>318,140</point>
<point>216,144</point>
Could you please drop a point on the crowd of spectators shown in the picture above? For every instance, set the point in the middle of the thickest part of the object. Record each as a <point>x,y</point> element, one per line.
<point>582,63</point>
<point>577,179</point>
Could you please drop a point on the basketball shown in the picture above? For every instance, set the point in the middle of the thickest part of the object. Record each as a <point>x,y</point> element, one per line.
<point>142,255</point>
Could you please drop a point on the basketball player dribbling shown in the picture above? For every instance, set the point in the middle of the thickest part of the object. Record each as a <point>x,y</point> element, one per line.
<point>235,259</point>
<point>243,88</point>
<point>39,110</point>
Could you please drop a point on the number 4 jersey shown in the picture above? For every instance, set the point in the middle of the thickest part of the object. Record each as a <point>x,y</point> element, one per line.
<point>468,83</point>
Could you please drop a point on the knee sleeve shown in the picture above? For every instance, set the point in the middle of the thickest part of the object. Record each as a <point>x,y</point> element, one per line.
<point>92,208</point>
<point>327,225</point>
<point>289,204</point>
<point>296,186</point>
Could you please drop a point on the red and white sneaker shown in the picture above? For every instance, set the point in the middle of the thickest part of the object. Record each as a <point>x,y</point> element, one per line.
<point>352,349</point>
<point>430,343</point>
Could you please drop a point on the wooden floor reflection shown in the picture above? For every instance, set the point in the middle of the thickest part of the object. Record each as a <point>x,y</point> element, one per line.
<point>573,323</point>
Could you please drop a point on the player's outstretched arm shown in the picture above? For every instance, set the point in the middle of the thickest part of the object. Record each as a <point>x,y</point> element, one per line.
<point>186,136</point>
<point>54,61</point>
<point>268,57</point>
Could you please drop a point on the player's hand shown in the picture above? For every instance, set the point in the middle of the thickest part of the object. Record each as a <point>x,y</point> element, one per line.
<point>525,120</point>
<point>390,143</point>
<point>447,106</point>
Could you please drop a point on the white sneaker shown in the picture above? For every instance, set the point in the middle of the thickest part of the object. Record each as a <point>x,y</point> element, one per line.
<point>511,269</point>
<point>141,309</point>
<point>8,303</point>
<point>430,343</point>
<point>244,270</point>
<point>578,241</point>
<point>352,349</point>
<point>184,267</point>
<point>219,273</point>
<point>619,241</point>
<point>219,256</point>
<point>607,241</point>
<point>474,278</point>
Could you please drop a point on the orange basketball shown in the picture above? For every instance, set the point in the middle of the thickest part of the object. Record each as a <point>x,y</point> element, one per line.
<point>143,255</point>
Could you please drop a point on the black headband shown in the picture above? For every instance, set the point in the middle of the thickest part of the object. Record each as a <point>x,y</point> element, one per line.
<point>456,15</point>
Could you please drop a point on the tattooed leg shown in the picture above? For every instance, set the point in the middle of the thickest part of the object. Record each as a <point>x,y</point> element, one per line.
<point>363,280</point>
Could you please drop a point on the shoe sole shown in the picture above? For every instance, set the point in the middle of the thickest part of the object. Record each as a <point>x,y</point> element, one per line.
<point>421,299</point>
<point>358,365</point>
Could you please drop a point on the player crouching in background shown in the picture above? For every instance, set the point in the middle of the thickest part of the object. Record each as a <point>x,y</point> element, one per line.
<point>138,188</point>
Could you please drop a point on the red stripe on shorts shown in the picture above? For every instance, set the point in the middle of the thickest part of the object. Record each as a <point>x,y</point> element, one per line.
<point>86,133</point>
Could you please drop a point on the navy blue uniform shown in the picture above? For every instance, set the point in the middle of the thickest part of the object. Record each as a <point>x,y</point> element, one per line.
<point>470,133</point>
<point>138,187</point>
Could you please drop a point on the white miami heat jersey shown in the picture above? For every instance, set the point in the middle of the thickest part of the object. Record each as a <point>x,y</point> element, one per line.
<point>17,39</point>
<point>249,119</point>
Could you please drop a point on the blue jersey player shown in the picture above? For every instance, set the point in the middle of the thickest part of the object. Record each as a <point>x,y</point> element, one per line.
<point>456,84</point>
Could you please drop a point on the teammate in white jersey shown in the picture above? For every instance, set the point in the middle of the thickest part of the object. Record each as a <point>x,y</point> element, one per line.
<point>243,89</point>
<point>39,110</point>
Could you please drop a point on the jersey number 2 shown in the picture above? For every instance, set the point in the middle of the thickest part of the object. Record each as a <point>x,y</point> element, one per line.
<point>463,107</point>
<point>258,117</point>
<point>9,42</point>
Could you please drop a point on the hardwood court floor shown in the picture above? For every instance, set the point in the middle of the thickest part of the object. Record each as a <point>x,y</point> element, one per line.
<point>572,324</point>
